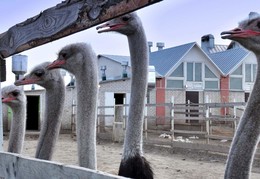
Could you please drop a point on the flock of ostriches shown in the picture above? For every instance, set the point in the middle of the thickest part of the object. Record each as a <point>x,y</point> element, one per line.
<point>80,60</point>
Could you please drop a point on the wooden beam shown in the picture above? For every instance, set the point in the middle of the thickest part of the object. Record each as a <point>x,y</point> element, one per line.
<point>64,19</point>
<point>17,166</point>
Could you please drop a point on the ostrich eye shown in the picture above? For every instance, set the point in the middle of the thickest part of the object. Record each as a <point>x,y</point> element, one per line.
<point>64,55</point>
<point>258,24</point>
<point>39,73</point>
<point>15,93</point>
<point>125,18</point>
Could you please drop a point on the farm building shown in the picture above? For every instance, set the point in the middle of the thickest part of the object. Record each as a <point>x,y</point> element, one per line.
<point>188,72</point>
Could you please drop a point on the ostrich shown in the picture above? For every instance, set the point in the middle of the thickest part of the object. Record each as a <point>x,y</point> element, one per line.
<point>246,138</point>
<point>133,164</point>
<point>15,98</point>
<point>80,60</point>
<point>53,82</point>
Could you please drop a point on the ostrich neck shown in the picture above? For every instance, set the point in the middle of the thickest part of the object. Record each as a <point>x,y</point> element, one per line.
<point>139,62</point>
<point>87,84</point>
<point>247,136</point>
<point>54,103</point>
<point>17,129</point>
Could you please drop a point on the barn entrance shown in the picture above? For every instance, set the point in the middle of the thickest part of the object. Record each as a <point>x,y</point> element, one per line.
<point>33,106</point>
<point>192,98</point>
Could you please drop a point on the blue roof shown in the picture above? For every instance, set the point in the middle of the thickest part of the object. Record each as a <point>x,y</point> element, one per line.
<point>118,58</point>
<point>165,59</point>
<point>227,60</point>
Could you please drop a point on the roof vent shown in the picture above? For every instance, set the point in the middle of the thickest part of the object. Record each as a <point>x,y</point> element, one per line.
<point>160,45</point>
<point>150,45</point>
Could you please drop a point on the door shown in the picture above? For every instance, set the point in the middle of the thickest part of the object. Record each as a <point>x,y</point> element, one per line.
<point>192,98</point>
<point>32,122</point>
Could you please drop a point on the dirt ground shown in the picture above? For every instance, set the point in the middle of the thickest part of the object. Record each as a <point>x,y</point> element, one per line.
<point>166,163</point>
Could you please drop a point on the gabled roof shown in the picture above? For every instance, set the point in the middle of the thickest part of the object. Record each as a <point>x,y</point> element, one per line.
<point>165,59</point>
<point>117,58</point>
<point>228,60</point>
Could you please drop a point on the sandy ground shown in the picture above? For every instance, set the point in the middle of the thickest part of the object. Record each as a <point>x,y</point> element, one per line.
<point>166,163</point>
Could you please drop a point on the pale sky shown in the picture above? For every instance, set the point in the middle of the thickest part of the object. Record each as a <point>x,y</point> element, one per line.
<point>174,22</point>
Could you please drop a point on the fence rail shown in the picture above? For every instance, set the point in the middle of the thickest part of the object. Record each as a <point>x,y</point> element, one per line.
<point>195,119</point>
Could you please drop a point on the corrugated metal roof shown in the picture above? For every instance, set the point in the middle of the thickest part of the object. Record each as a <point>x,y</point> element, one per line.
<point>165,59</point>
<point>229,59</point>
<point>218,48</point>
<point>118,58</point>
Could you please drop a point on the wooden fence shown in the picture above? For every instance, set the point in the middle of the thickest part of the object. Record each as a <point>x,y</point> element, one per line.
<point>181,119</point>
<point>16,166</point>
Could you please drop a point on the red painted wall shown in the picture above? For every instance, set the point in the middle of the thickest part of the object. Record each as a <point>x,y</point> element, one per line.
<point>224,92</point>
<point>160,98</point>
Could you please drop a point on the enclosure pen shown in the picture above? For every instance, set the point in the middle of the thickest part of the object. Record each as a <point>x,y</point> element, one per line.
<point>80,15</point>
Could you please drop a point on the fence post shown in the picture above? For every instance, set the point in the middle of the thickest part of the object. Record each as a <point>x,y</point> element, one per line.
<point>207,119</point>
<point>235,117</point>
<point>118,131</point>
<point>145,119</point>
<point>235,109</point>
<point>172,116</point>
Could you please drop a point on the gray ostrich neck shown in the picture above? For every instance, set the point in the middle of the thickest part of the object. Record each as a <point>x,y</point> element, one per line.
<point>54,103</point>
<point>139,61</point>
<point>86,84</point>
<point>17,129</point>
<point>246,137</point>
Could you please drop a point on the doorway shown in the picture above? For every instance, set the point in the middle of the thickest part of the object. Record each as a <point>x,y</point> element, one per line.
<point>119,98</point>
<point>32,122</point>
<point>192,98</point>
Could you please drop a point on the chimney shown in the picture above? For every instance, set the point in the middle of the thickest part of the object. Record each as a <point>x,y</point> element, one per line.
<point>160,45</point>
<point>207,42</point>
<point>150,44</point>
<point>103,74</point>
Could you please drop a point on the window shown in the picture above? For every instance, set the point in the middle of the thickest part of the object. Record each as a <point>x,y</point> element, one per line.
<point>238,71</point>
<point>189,71</point>
<point>236,82</point>
<point>194,71</point>
<point>175,84</point>
<point>211,80</point>
<point>211,84</point>
<point>250,72</point>
<point>178,72</point>
<point>198,69</point>
<point>209,73</point>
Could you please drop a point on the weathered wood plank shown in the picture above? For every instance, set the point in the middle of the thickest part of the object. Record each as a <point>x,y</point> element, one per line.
<point>64,19</point>
<point>15,166</point>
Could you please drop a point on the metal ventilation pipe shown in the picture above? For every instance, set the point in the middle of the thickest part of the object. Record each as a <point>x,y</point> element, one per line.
<point>19,65</point>
<point>103,74</point>
<point>124,65</point>
<point>150,45</point>
<point>160,45</point>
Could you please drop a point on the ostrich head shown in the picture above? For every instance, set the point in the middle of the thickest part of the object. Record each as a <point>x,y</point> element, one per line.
<point>247,33</point>
<point>13,96</point>
<point>127,24</point>
<point>41,76</point>
<point>73,57</point>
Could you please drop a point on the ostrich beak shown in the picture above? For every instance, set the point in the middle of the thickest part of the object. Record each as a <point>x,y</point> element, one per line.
<point>109,27</point>
<point>238,33</point>
<point>56,64</point>
<point>6,100</point>
<point>25,81</point>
